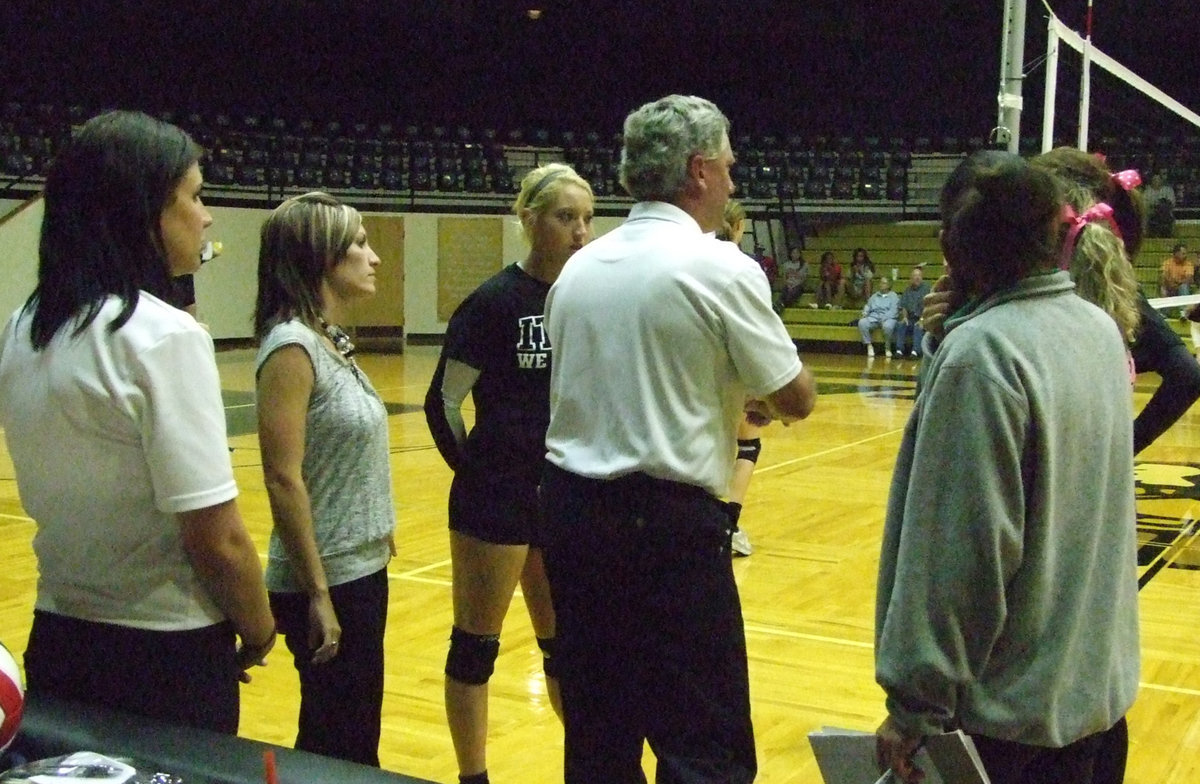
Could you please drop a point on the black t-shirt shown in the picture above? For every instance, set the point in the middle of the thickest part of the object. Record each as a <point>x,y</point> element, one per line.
<point>499,330</point>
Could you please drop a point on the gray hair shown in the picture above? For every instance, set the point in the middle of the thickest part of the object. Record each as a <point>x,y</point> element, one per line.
<point>661,136</point>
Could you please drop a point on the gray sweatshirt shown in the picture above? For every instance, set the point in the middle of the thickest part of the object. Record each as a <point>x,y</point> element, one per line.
<point>1007,596</point>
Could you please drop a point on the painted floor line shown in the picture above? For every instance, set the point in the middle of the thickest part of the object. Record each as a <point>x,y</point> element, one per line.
<point>830,451</point>
<point>1171,689</point>
<point>775,631</point>
<point>426,581</point>
<point>412,573</point>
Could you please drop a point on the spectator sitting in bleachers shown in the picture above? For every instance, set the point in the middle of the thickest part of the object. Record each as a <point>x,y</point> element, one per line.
<point>912,300</point>
<point>793,280</point>
<point>832,283</point>
<point>862,270</point>
<point>1175,278</point>
<point>1160,207</point>
<point>769,267</point>
<point>881,310</point>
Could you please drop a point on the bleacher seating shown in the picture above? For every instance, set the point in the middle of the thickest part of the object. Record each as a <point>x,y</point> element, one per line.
<point>261,156</point>
<point>896,247</point>
<point>873,179</point>
<point>258,151</point>
<point>254,152</point>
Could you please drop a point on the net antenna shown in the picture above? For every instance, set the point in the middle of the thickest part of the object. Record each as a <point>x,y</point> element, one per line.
<point>1059,33</point>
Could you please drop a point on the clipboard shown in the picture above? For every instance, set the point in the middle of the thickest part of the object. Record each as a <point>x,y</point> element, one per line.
<point>848,757</point>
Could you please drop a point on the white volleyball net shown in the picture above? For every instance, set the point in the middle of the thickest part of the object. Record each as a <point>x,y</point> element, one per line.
<point>1111,100</point>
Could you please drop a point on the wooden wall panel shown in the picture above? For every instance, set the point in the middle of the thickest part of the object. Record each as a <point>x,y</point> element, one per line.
<point>470,250</point>
<point>385,233</point>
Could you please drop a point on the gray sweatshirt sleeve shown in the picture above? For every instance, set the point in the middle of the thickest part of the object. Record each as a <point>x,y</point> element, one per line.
<point>952,539</point>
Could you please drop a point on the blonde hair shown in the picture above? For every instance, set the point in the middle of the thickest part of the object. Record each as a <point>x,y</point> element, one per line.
<point>732,221</point>
<point>1103,276</point>
<point>1099,264</point>
<point>300,241</point>
<point>540,186</point>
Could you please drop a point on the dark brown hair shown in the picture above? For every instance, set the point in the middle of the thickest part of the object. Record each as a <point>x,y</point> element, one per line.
<point>999,217</point>
<point>104,198</point>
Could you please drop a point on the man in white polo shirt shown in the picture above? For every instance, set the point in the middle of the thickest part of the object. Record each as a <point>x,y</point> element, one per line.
<point>661,333</point>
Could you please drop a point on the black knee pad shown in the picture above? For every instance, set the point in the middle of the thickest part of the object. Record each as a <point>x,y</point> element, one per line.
<point>549,662</point>
<point>472,657</point>
<point>749,449</point>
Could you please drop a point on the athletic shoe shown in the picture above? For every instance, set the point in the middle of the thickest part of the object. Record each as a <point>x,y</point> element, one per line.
<point>813,305</point>
<point>914,355</point>
<point>871,350</point>
<point>887,352</point>
<point>829,306</point>
<point>740,544</point>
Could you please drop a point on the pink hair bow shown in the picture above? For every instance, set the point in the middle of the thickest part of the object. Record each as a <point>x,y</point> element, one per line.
<point>1128,179</point>
<point>1098,211</point>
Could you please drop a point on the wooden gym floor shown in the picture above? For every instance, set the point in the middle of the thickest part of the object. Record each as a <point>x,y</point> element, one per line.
<point>814,515</point>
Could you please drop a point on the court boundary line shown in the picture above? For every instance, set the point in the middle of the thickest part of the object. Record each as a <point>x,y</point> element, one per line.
<point>412,573</point>
<point>830,451</point>
<point>415,575</point>
<point>1171,689</point>
<point>775,631</point>
<point>1188,534</point>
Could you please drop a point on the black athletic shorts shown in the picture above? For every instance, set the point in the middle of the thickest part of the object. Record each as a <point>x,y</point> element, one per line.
<point>499,508</point>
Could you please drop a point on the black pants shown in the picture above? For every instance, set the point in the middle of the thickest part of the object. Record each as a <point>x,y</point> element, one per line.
<point>182,677</point>
<point>790,295</point>
<point>1096,759</point>
<point>341,700</point>
<point>649,628</point>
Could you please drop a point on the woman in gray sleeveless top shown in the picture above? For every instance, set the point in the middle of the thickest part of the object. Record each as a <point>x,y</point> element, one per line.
<point>323,432</point>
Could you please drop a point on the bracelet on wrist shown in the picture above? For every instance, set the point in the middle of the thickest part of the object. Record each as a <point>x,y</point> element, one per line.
<point>247,645</point>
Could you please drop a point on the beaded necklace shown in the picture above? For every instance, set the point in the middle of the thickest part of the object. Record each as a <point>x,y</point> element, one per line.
<point>341,341</point>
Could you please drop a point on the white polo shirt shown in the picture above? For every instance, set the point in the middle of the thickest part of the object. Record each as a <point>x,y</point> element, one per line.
<point>659,331</point>
<point>112,435</point>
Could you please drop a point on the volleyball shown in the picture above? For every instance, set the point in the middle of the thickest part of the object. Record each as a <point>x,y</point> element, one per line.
<point>12,697</point>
